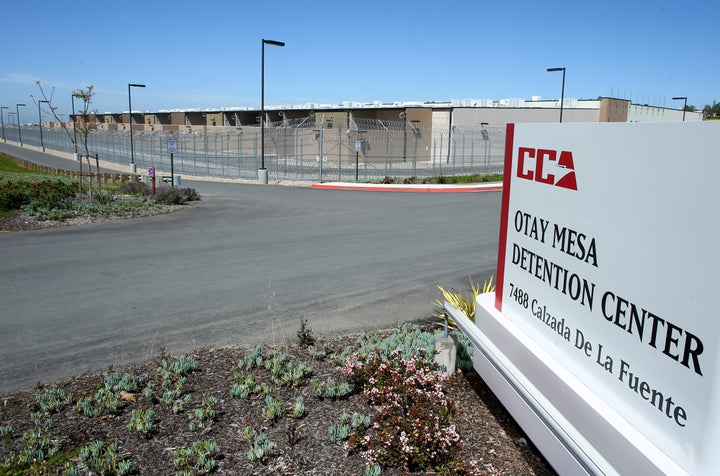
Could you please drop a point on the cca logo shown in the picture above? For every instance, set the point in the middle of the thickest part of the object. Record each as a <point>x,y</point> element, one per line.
<point>531,163</point>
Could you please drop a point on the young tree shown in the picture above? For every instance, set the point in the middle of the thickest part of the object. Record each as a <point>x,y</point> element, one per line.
<point>82,122</point>
<point>86,122</point>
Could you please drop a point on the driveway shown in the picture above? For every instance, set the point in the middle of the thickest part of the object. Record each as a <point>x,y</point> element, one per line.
<point>242,266</point>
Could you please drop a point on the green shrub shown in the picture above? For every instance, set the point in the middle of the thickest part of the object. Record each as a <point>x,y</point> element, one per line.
<point>408,341</point>
<point>38,444</point>
<point>175,195</point>
<point>305,334</point>
<point>413,419</point>
<point>53,399</point>
<point>261,447</point>
<point>349,425</point>
<point>173,370</point>
<point>43,194</point>
<point>179,365</point>
<point>136,188</point>
<point>252,360</point>
<point>190,194</point>
<point>52,194</point>
<point>318,352</point>
<point>141,422</point>
<point>203,416</point>
<point>275,408</point>
<point>292,374</point>
<point>298,410</point>
<point>107,399</point>
<point>103,401</point>
<point>13,195</point>
<point>125,382</point>
<point>197,459</point>
<point>464,358</point>
<point>244,386</point>
<point>330,390</point>
<point>99,457</point>
<point>102,197</point>
<point>464,302</point>
<point>170,196</point>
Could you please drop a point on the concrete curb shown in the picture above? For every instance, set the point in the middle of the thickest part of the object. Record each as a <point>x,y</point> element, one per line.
<point>379,187</point>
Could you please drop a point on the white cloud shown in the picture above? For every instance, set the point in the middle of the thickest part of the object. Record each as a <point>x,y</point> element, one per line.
<point>32,79</point>
<point>19,78</point>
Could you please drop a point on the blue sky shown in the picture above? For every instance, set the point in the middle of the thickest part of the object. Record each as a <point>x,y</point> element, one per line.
<point>193,54</point>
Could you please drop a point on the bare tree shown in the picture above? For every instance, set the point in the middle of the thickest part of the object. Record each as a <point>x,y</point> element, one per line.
<point>85,119</point>
<point>83,122</point>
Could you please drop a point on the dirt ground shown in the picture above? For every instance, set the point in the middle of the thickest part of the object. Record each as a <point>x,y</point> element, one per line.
<point>489,434</point>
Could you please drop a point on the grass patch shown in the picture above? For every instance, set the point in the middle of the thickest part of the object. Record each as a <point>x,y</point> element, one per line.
<point>49,197</point>
<point>475,178</point>
<point>10,166</point>
<point>11,170</point>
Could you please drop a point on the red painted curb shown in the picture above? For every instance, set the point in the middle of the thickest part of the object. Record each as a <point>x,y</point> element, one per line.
<point>405,188</point>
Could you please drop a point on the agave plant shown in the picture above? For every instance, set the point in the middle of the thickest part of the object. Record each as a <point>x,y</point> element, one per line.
<point>464,302</point>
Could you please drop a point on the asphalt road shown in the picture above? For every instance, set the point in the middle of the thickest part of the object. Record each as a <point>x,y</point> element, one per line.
<point>243,265</point>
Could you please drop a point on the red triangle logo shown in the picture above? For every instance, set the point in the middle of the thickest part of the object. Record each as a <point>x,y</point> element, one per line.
<point>568,181</point>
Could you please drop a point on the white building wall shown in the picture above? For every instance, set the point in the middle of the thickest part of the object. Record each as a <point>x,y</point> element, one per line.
<point>567,103</point>
<point>440,144</point>
<point>499,116</point>
<point>638,113</point>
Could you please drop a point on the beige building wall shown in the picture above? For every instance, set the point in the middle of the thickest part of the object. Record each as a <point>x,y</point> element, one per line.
<point>613,110</point>
<point>389,114</point>
<point>336,119</point>
<point>499,116</point>
<point>419,117</point>
<point>641,113</point>
<point>213,119</point>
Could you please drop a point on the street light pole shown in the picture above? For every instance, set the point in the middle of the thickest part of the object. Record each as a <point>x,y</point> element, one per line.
<point>262,173</point>
<point>17,109</point>
<point>74,119</point>
<point>682,98</point>
<point>562,93</point>
<point>42,143</point>
<point>133,168</point>
<point>3,121</point>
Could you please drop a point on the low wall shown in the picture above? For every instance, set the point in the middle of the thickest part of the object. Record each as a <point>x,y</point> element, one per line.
<point>103,178</point>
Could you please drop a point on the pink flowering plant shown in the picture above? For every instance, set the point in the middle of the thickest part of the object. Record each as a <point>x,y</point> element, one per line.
<point>412,425</point>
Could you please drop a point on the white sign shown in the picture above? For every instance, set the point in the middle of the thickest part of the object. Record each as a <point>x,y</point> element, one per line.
<point>608,262</point>
<point>172,147</point>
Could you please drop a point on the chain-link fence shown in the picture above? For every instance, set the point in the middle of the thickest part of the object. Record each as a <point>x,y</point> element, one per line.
<point>308,149</point>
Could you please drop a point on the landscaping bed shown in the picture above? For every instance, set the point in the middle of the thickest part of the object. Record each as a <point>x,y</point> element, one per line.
<point>263,410</point>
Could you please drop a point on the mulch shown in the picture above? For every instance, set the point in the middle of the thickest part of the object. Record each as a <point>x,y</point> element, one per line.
<point>489,434</point>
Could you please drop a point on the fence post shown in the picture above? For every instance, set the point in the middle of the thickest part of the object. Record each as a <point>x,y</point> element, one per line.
<point>339,134</point>
<point>239,138</point>
<point>415,139</point>
<point>320,146</point>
